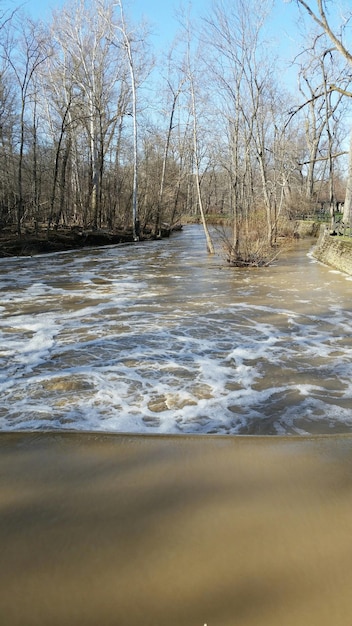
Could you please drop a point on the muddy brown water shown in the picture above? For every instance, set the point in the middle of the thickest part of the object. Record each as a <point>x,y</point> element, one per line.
<point>161,338</point>
<point>171,516</point>
<point>128,530</point>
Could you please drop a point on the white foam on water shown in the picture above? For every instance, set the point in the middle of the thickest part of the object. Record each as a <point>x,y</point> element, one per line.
<point>162,338</point>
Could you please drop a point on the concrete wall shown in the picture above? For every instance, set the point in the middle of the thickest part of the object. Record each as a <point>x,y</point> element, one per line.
<point>334,251</point>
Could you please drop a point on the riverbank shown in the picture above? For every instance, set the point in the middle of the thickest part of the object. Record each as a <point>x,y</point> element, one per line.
<point>335,251</point>
<point>32,243</point>
<point>130,530</point>
<point>64,239</point>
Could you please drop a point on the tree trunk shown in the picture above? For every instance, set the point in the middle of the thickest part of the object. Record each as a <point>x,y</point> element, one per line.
<point>210,246</point>
<point>163,172</point>
<point>127,43</point>
<point>347,209</point>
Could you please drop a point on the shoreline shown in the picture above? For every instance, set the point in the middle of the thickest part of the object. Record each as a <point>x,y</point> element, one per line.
<point>70,240</point>
<point>65,239</point>
<point>117,529</point>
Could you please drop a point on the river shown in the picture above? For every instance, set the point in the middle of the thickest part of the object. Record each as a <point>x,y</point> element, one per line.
<point>162,338</point>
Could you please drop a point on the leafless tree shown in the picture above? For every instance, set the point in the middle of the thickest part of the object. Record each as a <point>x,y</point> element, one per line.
<point>247,94</point>
<point>318,10</point>
<point>24,50</point>
<point>191,71</point>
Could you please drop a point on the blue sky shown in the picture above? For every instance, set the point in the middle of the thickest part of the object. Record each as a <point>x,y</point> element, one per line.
<point>160,14</point>
<point>161,17</point>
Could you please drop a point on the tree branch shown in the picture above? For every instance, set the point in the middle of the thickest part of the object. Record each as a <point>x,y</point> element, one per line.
<point>340,90</point>
<point>324,24</point>
<point>333,156</point>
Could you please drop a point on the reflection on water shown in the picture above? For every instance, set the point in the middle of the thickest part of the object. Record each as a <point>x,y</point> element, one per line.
<point>162,338</point>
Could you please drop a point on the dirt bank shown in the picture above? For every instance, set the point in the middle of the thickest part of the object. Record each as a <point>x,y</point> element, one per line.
<point>30,243</point>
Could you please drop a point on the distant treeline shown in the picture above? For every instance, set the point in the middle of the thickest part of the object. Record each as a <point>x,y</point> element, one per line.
<point>95,132</point>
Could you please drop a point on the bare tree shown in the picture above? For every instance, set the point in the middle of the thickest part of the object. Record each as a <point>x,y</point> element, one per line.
<point>127,42</point>
<point>247,95</point>
<point>81,35</point>
<point>323,109</point>
<point>24,50</point>
<point>133,45</point>
<point>175,81</point>
<point>190,70</point>
<point>317,10</point>
<point>8,121</point>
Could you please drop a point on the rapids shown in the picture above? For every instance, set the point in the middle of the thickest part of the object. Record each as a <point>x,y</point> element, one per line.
<point>161,338</point>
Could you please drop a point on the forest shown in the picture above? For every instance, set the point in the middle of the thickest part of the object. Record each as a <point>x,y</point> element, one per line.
<point>100,134</point>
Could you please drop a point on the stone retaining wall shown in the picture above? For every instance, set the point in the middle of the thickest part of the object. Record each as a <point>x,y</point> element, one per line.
<point>334,251</point>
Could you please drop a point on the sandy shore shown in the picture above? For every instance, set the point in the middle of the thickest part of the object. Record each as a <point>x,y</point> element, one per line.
<point>175,531</point>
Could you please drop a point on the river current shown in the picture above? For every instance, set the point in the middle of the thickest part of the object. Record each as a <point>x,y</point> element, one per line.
<point>162,338</point>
